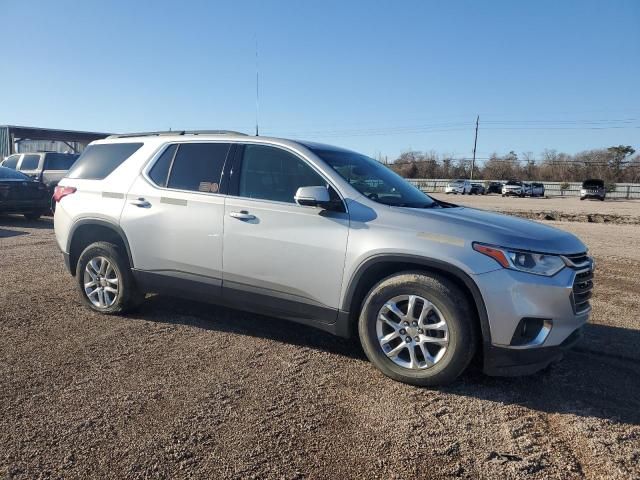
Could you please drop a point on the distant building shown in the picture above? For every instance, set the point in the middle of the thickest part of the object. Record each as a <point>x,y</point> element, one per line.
<point>15,139</point>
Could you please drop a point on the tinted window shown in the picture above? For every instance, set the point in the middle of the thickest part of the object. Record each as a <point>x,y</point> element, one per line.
<point>160,169</point>
<point>11,162</point>
<point>270,173</point>
<point>59,161</point>
<point>98,161</point>
<point>30,162</point>
<point>8,173</point>
<point>198,166</point>
<point>593,184</point>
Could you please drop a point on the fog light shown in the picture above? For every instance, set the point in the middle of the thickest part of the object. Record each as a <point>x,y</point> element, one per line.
<point>531,331</point>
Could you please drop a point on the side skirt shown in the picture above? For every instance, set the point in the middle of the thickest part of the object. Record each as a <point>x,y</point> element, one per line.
<point>243,297</point>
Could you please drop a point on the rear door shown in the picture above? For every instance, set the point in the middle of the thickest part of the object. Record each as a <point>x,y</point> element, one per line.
<point>173,217</point>
<point>280,257</point>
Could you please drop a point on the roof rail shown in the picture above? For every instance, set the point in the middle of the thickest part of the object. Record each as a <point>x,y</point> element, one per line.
<point>177,132</point>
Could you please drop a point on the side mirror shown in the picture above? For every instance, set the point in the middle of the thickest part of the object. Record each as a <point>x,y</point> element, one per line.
<point>312,197</point>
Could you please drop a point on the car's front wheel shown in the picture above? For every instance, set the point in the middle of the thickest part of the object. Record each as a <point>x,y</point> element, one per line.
<point>105,280</point>
<point>418,328</point>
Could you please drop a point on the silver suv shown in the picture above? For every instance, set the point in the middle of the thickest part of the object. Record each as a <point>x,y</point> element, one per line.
<point>326,237</point>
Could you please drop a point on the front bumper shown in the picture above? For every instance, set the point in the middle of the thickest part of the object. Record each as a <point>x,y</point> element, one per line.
<point>505,362</point>
<point>515,193</point>
<point>511,296</point>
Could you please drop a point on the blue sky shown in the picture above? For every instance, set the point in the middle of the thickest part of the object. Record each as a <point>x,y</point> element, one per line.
<point>378,77</point>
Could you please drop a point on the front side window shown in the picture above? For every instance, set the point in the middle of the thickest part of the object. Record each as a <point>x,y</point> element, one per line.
<point>11,161</point>
<point>269,173</point>
<point>198,167</point>
<point>374,180</point>
<point>30,162</point>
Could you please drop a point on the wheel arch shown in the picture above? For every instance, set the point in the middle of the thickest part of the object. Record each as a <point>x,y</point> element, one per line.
<point>89,230</point>
<point>375,268</point>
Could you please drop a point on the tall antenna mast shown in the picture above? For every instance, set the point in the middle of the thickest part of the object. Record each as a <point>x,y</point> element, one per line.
<point>257,89</point>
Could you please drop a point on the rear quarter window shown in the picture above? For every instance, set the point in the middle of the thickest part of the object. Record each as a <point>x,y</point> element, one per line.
<point>98,161</point>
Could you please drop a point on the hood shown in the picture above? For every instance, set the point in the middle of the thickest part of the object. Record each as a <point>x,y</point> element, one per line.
<point>475,225</point>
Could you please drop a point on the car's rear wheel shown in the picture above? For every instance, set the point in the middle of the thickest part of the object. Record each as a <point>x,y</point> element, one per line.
<point>105,280</point>
<point>418,328</point>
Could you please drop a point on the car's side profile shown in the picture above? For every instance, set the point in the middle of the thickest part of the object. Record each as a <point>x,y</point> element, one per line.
<point>45,167</point>
<point>21,194</point>
<point>322,236</point>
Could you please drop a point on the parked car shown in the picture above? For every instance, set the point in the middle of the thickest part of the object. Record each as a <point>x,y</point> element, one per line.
<point>478,189</point>
<point>45,167</point>
<point>535,189</point>
<point>458,186</point>
<point>515,188</point>
<point>593,188</point>
<point>326,237</point>
<point>21,194</point>
<point>494,187</point>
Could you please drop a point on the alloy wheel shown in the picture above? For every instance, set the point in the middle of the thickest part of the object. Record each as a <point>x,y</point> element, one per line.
<point>412,332</point>
<point>101,282</point>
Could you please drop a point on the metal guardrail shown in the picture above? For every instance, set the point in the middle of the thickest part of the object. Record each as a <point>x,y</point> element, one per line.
<point>552,189</point>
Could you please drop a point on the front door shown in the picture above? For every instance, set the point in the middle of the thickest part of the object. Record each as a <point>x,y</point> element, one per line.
<point>279,257</point>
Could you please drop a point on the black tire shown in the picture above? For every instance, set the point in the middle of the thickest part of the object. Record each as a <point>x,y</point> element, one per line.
<point>128,297</point>
<point>449,300</point>
<point>32,215</point>
<point>602,199</point>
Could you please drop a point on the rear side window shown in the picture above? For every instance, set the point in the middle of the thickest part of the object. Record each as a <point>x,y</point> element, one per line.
<point>30,162</point>
<point>270,173</point>
<point>98,161</point>
<point>160,171</point>
<point>59,161</point>
<point>198,166</point>
<point>11,162</point>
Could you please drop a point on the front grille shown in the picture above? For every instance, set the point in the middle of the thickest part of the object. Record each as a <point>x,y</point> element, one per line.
<point>578,260</point>
<point>582,291</point>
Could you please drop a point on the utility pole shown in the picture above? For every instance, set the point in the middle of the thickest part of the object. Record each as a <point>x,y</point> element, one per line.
<point>475,143</point>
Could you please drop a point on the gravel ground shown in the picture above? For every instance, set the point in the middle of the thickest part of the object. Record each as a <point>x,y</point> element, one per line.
<point>186,390</point>
<point>554,208</point>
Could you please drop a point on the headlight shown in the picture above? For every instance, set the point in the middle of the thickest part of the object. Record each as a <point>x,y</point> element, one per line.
<point>535,263</point>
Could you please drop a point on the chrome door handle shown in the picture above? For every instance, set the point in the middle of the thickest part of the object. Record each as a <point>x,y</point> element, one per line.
<point>140,202</point>
<point>242,215</point>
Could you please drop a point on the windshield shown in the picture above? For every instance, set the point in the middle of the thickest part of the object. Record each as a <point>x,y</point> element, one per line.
<point>374,180</point>
<point>593,184</point>
<point>10,174</point>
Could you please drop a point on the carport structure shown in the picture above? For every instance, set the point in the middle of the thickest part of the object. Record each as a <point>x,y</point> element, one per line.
<point>11,136</point>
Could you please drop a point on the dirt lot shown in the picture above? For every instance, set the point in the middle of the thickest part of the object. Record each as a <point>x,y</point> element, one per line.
<point>557,208</point>
<point>191,390</point>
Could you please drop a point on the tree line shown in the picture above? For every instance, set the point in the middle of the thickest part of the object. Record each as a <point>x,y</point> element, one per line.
<point>613,165</point>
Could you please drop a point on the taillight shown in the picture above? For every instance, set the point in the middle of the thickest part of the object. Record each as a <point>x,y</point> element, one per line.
<point>60,192</point>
